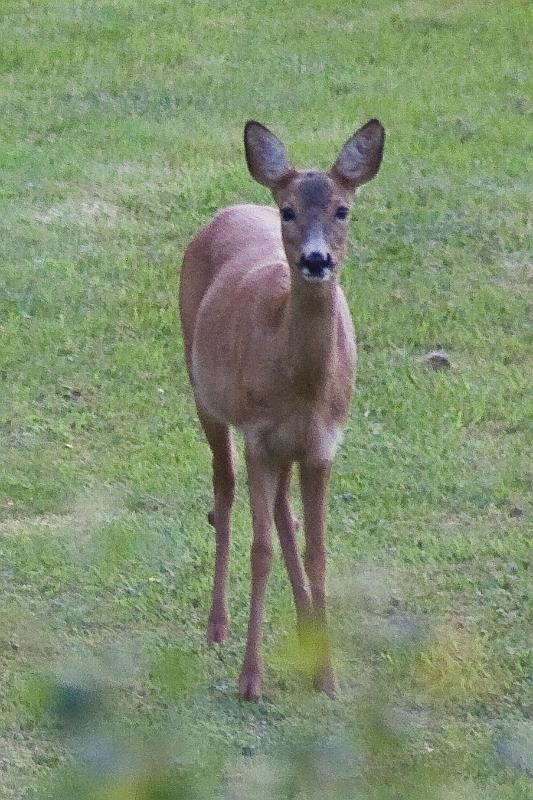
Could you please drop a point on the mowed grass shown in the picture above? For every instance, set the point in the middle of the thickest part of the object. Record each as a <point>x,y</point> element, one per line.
<point>120,134</point>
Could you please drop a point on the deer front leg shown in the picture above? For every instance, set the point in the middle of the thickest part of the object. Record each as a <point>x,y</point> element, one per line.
<point>314,482</point>
<point>287,528</point>
<point>262,486</point>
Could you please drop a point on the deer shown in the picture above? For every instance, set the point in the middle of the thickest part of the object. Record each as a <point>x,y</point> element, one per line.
<point>270,351</point>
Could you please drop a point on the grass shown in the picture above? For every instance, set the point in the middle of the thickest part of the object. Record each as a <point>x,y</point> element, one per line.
<point>121,133</point>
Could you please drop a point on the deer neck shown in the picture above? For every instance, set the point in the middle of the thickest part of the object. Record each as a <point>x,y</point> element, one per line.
<point>312,334</point>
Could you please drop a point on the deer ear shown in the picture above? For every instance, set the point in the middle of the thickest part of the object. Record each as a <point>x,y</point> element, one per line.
<point>361,156</point>
<point>266,155</point>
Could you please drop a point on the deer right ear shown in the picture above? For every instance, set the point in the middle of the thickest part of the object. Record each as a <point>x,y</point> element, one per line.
<point>266,156</point>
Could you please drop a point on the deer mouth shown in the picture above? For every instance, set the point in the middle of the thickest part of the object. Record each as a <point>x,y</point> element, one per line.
<point>316,271</point>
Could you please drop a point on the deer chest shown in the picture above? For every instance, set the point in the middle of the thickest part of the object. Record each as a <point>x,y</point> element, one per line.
<point>312,438</point>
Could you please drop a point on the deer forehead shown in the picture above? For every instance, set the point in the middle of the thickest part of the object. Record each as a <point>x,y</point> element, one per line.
<point>311,190</point>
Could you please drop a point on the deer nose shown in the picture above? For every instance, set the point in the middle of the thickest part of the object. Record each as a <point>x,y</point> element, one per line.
<point>316,260</point>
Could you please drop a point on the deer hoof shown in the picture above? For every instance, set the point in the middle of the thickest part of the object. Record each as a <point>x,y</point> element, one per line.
<point>250,685</point>
<point>217,631</point>
<point>325,682</point>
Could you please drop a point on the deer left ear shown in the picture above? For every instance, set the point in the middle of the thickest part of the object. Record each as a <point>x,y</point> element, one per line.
<point>361,156</point>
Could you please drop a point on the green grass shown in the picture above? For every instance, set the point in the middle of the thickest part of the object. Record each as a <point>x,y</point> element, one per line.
<point>120,134</point>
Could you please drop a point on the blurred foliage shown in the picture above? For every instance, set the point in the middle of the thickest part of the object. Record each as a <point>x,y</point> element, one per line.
<point>386,753</point>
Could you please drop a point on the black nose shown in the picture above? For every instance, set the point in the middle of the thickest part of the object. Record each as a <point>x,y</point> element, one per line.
<point>316,262</point>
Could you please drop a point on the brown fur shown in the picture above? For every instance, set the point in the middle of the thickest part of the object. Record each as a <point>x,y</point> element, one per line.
<point>273,354</point>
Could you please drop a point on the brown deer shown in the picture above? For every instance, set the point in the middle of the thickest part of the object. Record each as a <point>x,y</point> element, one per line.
<point>270,349</point>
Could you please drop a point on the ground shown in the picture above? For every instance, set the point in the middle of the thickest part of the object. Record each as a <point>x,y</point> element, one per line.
<point>120,134</point>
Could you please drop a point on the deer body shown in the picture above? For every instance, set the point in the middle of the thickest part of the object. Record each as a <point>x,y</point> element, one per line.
<point>255,336</point>
<point>270,350</point>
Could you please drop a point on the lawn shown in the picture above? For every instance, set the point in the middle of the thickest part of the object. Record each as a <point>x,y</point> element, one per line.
<point>120,134</point>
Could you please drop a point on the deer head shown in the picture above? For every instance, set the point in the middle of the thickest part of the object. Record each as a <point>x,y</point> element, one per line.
<point>314,206</point>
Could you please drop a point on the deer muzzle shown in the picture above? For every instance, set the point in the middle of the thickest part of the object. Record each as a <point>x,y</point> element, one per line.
<point>316,267</point>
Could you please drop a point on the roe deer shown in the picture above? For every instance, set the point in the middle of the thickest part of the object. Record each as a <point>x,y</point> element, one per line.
<point>270,349</point>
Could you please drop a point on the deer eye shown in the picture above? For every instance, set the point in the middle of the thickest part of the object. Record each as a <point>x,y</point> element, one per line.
<point>287,214</point>
<point>341,212</point>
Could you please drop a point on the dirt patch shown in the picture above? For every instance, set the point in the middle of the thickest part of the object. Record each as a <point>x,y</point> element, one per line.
<point>77,211</point>
<point>23,760</point>
<point>88,512</point>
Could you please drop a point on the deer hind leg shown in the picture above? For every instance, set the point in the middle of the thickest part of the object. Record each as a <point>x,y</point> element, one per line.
<point>263,479</point>
<point>314,481</point>
<point>287,527</point>
<point>219,438</point>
